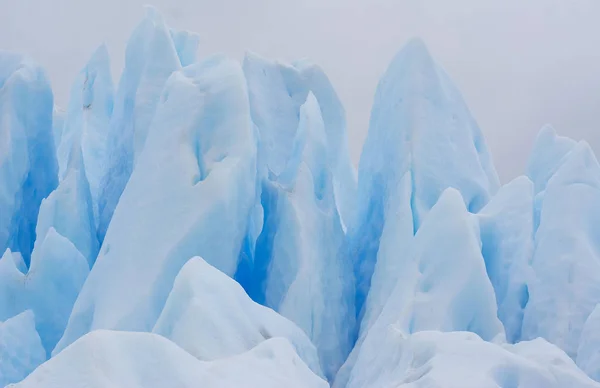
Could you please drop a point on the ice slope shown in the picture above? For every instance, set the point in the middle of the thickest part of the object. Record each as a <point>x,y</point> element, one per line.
<point>338,154</point>
<point>547,156</point>
<point>28,171</point>
<point>421,140</point>
<point>441,285</point>
<point>210,316</point>
<point>58,123</point>
<point>566,263</point>
<point>190,194</point>
<point>298,270</point>
<point>145,360</point>
<point>186,43</point>
<point>87,122</point>
<point>70,208</point>
<point>506,226</point>
<point>588,353</point>
<point>462,360</point>
<point>21,350</point>
<point>49,289</point>
<point>150,58</point>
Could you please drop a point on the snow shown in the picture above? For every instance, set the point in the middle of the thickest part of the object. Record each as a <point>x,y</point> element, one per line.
<point>144,360</point>
<point>210,316</point>
<point>464,360</point>
<point>21,350</point>
<point>190,194</point>
<point>87,122</point>
<point>28,170</point>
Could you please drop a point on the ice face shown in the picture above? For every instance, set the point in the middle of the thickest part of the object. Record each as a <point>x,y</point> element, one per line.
<point>422,134</point>
<point>49,289</point>
<point>145,360</point>
<point>461,359</point>
<point>87,122</point>
<point>190,194</point>
<point>566,284</point>
<point>210,316</point>
<point>150,59</point>
<point>28,171</point>
<point>298,269</point>
<point>70,209</point>
<point>588,353</point>
<point>507,226</point>
<point>21,350</point>
<point>441,286</point>
<point>186,44</point>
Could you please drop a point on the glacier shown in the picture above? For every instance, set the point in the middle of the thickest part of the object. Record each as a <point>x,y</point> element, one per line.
<point>202,223</point>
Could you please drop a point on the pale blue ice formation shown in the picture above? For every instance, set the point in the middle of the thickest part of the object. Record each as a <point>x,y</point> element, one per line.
<point>204,226</point>
<point>422,140</point>
<point>87,122</point>
<point>116,359</point>
<point>210,316</point>
<point>566,261</point>
<point>190,194</point>
<point>588,353</point>
<point>506,226</point>
<point>150,59</point>
<point>28,171</point>
<point>49,289</point>
<point>298,270</point>
<point>21,350</point>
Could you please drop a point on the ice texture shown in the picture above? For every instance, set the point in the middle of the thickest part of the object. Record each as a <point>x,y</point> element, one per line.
<point>297,269</point>
<point>440,286</point>
<point>464,360</point>
<point>28,170</point>
<point>566,265</point>
<point>507,225</point>
<point>150,59</point>
<point>21,350</point>
<point>49,289</point>
<point>210,316</point>
<point>190,194</point>
<point>421,140</point>
<point>87,123</point>
<point>115,359</point>
<point>588,353</point>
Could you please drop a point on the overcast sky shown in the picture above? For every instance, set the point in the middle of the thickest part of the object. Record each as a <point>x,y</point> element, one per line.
<point>519,63</point>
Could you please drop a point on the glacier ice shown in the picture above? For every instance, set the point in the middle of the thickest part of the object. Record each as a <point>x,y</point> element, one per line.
<point>28,170</point>
<point>204,225</point>
<point>190,194</point>
<point>69,209</point>
<point>87,122</point>
<point>566,284</point>
<point>150,59</point>
<point>49,289</point>
<point>297,267</point>
<point>115,359</point>
<point>588,352</point>
<point>506,225</point>
<point>210,316</point>
<point>421,140</point>
<point>21,350</point>
<point>441,286</point>
<point>464,360</point>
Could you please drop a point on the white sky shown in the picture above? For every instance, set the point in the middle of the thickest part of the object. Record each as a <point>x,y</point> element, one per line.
<point>519,63</point>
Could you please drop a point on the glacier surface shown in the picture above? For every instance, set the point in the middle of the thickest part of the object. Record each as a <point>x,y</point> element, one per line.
<point>202,224</point>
